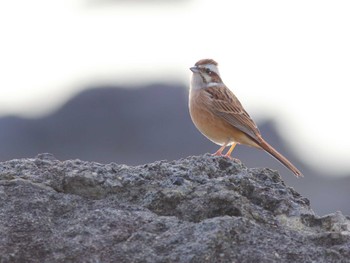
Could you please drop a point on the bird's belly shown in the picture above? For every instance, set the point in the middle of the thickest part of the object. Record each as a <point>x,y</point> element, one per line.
<point>214,128</point>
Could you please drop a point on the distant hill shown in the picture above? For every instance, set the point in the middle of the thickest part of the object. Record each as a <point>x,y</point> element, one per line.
<point>141,125</point>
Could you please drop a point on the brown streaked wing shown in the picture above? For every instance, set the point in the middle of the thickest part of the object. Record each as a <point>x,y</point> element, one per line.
<point>227,106</point>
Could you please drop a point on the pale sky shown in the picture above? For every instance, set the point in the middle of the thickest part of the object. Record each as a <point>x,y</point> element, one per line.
<point>288,59</point>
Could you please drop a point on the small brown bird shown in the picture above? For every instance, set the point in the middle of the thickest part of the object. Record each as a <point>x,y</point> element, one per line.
<point>218,114</point>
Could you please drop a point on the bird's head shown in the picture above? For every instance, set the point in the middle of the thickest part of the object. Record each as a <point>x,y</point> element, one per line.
<point>205,74</point>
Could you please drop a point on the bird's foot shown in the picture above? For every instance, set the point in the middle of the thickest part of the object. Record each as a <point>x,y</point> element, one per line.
<point>231,158</point>
<point>228,157</point>
<point>225,156</point>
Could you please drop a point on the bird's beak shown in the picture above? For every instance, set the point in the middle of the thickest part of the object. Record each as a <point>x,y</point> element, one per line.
<point>194,69</point>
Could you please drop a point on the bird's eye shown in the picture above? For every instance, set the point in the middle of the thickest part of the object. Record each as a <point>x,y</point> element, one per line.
<point>208,71</point>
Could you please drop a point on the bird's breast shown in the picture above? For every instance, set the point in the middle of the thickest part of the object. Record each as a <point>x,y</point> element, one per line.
<point>213,127</point>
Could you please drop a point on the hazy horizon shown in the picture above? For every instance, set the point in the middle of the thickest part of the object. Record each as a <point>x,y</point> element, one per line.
<point>288,60</point>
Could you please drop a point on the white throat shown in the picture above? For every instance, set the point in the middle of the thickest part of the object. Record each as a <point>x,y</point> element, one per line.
<point>197,82</point>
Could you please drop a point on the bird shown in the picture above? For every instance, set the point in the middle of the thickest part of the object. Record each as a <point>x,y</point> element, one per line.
<point>219,115</point>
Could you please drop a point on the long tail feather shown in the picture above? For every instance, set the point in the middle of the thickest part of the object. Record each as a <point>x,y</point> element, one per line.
<point>268,148</point>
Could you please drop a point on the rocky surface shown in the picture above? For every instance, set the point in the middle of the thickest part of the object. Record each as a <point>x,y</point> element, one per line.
<point>197,209</point>
<point>98,124</point>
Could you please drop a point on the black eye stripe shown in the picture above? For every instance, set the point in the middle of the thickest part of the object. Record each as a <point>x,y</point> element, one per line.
<point>208,71</point>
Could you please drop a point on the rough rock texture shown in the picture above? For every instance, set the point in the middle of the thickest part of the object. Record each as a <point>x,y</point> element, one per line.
<point>97,125</point>
<point>198,209</point>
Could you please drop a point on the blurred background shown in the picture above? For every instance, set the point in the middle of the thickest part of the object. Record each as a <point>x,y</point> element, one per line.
<point>107,81</point>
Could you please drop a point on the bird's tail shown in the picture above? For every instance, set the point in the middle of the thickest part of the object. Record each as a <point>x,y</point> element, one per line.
<point>267,147</point>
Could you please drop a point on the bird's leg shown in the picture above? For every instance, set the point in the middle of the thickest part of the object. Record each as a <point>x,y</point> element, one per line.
<point>228,154</point>
<point>219,152</point>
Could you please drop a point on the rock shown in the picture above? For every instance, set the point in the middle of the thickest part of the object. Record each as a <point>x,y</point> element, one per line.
<point>97,125</point>
<point>197,209</point>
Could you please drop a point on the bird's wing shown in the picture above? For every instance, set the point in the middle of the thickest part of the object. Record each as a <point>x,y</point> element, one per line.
<point>226,105</point>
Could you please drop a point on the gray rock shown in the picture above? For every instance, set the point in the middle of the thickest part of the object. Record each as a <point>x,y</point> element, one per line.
<point>97,125</point>
<point>197,209</point>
